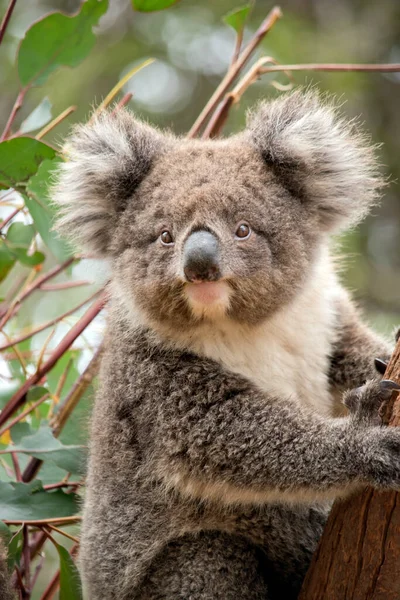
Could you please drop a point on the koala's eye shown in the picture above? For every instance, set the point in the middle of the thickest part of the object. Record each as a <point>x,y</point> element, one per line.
<point>243,231</point>
<point>166,238</point>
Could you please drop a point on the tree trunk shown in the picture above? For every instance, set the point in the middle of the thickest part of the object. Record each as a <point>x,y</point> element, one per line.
<point>358,557</point>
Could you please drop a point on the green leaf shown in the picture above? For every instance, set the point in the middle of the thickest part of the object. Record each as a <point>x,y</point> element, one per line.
<point>15,546</point>
<point>43,211</point>
<point>43,445</point>
<point>38,117</point>
<point>237,17</point>
<point>30,260</point>
<point>20,159</point>
<point>19,238</point>
<point>30,502</point>
<point>19,431</point>
<point>20,235</point>
<point>36,392</point>
<point>7,260</point>
<point>58,40</point>
<point>152,5</point>
<point>70,581</point>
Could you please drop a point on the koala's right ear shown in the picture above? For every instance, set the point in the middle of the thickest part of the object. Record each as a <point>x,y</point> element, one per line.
<point>107,158</point>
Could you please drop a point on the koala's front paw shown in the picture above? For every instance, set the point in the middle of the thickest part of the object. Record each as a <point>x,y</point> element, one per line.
<point>366,403</point>
<point>381,465</point>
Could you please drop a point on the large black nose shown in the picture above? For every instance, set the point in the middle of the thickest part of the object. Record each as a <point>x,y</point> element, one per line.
<point>201,257</point>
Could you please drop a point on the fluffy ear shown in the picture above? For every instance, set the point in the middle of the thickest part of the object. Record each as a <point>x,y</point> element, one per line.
<point>318,156</point>
<point>106,159</point>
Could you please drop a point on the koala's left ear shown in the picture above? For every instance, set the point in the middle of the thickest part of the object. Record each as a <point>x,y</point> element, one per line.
<point>318,156</point>
<point>106,160</point>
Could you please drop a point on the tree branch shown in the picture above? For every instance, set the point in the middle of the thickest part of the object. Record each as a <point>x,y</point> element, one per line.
<point>17,105</point>
<point>6,18</point>
<point>235,69</point>
<point>48,324</point>
<point>18,398</point>
<point>358,556</point>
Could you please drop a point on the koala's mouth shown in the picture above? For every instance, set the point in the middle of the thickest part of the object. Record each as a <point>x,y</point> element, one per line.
<point>208,296</point>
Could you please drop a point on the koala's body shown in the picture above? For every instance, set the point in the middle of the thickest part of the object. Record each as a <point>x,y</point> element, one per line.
<point>218,442</point>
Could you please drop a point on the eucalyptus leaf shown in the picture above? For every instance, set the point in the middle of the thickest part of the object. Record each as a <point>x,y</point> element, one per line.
<point>30,260</point>
<point>38,118</point>
<point>30,502</point>
<point>20,235</point>
<point>70,581</point>
<point>152,5</point>
<point>43,211</point>
<point>20,158</point>
<point>15,546</point>
<point>237,18</point>
<point>7,260</point>
<point>44,446</point>
<point>58,40</point>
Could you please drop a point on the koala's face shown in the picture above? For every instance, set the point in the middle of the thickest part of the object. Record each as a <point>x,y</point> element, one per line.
<point>210,233</point>
<point>199,231</point>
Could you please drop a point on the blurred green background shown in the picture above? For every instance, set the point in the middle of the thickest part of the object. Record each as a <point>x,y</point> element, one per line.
<point>193,49</point>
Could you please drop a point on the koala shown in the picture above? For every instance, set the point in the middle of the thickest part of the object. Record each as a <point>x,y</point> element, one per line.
<point>220,435</point>
<point>5,579</point>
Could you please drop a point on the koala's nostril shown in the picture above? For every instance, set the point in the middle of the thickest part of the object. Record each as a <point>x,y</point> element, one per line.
<point>201,257</point>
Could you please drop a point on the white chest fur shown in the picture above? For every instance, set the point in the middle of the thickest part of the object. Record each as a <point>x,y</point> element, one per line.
<point>288,355</point>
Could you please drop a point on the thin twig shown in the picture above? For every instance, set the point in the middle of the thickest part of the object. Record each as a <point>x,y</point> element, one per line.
<point>65,409</point>
<point>10,217</point>
<point>6,18</point>
<point>61,532</point>
<point>123,102</point>
<point>383,68</point>
<point>238,45</point>
<point>234,71</point>
<point>48,324</point>
<point>63,285</point>
<point>22,415</point>
<point>78,389</point>
<point>42,522</point>
<point>220,115</point>
<point>68,111</point>
<point>17,105</point>
<point>62,484</point>
<point>8,314</point>
<point>18,398</point>
<point>37,571</point>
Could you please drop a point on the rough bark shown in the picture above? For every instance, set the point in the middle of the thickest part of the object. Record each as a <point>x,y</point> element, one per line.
<point>358,557</point>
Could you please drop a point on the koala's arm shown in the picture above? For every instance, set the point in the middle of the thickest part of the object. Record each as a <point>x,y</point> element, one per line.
<point>355,348</point>
<point>217,437</point>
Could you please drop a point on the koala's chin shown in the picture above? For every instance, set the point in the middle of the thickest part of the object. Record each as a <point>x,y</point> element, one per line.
<point>208,300</point>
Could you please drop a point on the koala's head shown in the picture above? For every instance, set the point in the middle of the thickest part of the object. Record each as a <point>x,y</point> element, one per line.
<point>205,230</point>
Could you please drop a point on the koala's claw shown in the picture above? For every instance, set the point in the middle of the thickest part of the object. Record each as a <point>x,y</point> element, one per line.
<point>367,403</point>
<point>387,386</point>
<point>380,365</point>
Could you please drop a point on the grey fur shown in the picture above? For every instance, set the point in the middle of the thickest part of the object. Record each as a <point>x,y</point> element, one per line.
<point>5,577</point>
<point>205,482</point>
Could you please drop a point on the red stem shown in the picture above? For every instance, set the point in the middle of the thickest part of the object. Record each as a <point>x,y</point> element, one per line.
<point>9,217</point>
<point>235,69</point>
<point>34,286</point>
<point>18,398</point>
<point>46,325</point>
<point>18,103</point>
<point>7,18</point>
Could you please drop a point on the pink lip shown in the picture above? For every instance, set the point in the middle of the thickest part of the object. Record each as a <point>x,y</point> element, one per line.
<point>205,292</point>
